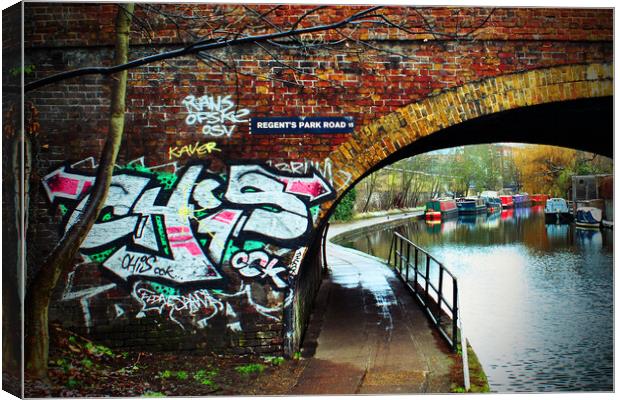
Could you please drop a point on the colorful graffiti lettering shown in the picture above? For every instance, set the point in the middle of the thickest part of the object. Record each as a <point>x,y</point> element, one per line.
<point>218,115</point>
<point>194,227</point>
<point>323,167</point>
<point>181,234</point>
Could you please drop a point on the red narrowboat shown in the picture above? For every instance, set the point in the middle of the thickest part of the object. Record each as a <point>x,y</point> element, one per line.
<point>539,198</point>
<point>439,209</point>
<point>507,201</point>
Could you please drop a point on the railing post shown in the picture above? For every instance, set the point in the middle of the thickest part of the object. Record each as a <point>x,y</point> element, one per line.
<point>399,245</point>
<point>391,248</point>
<point>440,293</point>
<point>428,277</point>
<point>407,264</point>
<point>415,272</point>
<point>400,256</point>
<point>455,314</point>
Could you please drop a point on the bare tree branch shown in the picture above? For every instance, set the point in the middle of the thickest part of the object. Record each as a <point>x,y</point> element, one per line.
<point>203,45</point>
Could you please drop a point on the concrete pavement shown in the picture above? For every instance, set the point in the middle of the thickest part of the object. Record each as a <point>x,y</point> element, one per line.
<point>367,334</point>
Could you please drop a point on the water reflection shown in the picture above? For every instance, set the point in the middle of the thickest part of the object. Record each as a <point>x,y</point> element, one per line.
<point>537,299</point>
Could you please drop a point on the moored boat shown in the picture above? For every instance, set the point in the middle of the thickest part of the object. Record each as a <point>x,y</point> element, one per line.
<point>438,209</point>
<point>506,201</point>
<point>588,218</point>
<point>557,211</point>
<point>521,200</point>
<point>492,201</point>
<point>471,205</point>
<point>539,198</point>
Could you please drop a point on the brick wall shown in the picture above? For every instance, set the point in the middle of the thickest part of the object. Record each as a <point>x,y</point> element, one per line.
<point>200,237</point>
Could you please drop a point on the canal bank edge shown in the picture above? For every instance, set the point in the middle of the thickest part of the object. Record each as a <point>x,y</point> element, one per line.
<point>371,222</point>
<point>342,231</point>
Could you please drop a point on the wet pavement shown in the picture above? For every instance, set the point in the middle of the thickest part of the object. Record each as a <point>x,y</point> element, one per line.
<point>366,334</point>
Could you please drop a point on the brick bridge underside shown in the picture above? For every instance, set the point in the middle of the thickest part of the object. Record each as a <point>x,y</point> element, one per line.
<point>210,234</point>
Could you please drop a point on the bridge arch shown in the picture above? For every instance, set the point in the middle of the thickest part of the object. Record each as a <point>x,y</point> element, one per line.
<point>528,106</point>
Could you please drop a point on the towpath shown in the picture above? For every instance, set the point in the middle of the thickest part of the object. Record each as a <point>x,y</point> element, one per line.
<point>366,334</point>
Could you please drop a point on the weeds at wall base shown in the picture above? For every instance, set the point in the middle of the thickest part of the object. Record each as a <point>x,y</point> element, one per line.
<point>81,368</point>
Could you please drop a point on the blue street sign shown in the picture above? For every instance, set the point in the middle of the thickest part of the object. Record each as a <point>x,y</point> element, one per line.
<point>301,125</point>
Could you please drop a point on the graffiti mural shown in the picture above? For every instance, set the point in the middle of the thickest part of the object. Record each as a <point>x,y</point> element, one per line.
<point>218,115</point>
<point>181,239</point>
<point>325,168</point>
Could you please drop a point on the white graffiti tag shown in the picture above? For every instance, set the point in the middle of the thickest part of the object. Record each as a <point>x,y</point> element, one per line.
<point>258,264</point>
<point>218,115</point>
<point>198,305</point>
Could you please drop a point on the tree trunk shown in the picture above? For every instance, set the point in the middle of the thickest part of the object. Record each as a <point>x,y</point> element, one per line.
<point>370,188</point>
<point>40,290</point>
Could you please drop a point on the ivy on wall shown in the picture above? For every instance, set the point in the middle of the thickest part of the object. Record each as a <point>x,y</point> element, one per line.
<point>345,209</point>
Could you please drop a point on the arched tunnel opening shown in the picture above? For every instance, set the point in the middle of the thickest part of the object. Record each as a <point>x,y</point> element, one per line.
<point>583,125</point>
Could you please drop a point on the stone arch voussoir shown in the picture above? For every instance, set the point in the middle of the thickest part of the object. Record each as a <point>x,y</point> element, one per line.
<point>375,142</point>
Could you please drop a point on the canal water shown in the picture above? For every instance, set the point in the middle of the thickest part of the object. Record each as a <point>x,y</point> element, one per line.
<point>536,299</point>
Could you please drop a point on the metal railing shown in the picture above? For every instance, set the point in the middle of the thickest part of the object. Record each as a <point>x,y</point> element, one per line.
<point>429,280</point>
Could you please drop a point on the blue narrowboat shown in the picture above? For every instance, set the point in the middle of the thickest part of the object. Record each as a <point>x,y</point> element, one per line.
<point>471,205</point>
<point>492,201</point>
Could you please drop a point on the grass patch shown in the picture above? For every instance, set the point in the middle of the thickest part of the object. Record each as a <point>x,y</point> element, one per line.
<point>153,394</point>
<point>205,378</point>
<point>248,369</point>
<point>275,361</point>
<point>477,378</point>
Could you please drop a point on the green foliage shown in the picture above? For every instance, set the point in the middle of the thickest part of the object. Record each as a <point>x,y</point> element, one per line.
<point>27,69</point>
<point>153,394</point>
<point>182,375</point>
<point>297,355</point>
<point>205,377</point>
<point>248,369</point>
<point>345,209</point>
<point>87,363</point>
<point>457,389</point>
<point>167,374</point>
<point>73,383</point>
<point>64,364</point>
<point>99,350</point>
<point>275,361</point>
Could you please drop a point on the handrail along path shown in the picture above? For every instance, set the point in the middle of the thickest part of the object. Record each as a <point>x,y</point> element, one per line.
<point>412,261</point>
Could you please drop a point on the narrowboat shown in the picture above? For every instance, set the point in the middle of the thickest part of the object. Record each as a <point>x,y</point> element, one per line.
<point>506,201</point>
<point>439,209</point>
<point>539,198</point>
<point>588,218</point>
<point>492,201</point>
<point>557,212</point>
<point>471,205</point>
<point>521,200</point>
